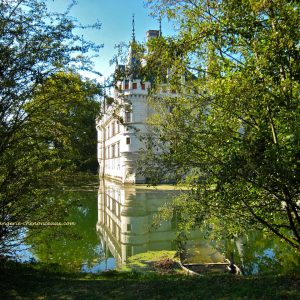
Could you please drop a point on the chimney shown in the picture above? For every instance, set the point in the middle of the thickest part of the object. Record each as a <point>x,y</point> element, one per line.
<point>150,34</point>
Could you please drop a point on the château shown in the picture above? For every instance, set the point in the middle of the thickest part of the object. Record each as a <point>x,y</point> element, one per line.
<point>118,141</point>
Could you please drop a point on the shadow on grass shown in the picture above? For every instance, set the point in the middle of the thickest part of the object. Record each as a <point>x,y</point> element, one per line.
<point>44,282</point>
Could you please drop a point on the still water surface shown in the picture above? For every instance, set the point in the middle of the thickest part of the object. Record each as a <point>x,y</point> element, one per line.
<point>115,223</point>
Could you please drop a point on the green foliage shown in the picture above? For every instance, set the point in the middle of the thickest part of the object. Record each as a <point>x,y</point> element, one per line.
<point>231,130</point>
<point>64,109</point>
<point>45,110</point>
<point>130,55</point>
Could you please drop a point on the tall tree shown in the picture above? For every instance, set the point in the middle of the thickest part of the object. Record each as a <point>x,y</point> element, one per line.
<point>64,109</point>
<point>34,46</point>
<point>232,129</point>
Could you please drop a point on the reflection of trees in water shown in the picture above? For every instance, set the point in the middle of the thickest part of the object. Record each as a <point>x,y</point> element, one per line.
<point>255,253</point>
<point>70,246</point>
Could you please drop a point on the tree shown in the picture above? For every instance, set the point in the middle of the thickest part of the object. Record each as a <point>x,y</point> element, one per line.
<point>65,118</point>
<point>231,131</point>
<point>35,46</point>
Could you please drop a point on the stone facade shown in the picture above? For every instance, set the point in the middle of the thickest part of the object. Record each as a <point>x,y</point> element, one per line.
<point>118,142</point>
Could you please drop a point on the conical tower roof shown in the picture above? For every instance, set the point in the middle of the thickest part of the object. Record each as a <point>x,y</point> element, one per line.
<point>133,62</point>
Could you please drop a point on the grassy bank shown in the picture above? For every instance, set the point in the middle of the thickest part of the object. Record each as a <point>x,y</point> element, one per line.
<point>44,282</point>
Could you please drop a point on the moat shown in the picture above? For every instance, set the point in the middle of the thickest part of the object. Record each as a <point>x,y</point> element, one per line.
<point>115,223</point>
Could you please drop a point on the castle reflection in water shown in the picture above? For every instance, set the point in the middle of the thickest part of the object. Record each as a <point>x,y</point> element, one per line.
<point>125,218</point>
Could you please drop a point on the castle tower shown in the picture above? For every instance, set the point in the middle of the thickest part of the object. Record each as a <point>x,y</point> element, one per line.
<point>118,140</point>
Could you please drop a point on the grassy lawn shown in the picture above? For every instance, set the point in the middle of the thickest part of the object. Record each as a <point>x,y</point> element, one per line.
<point>42,282</point>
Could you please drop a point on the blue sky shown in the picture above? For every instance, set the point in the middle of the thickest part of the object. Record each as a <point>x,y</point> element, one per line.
<point>116,19</point>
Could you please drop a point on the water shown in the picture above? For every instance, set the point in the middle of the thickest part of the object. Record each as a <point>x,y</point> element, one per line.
<point>116,222</point>
<point>72,247</point>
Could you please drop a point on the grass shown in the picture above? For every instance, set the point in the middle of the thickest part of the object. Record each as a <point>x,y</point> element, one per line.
<point>46,282</point>
<point>163,262</point>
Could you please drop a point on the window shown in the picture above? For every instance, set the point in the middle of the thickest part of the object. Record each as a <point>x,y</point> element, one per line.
<point>128,227</point>
<point>129,251</point>
<point>113,151</point>
<point>108,133</point>
<point>126,84</point>
<point>143,86</point>
<point>127,140</point>
<point>134,85</point>
<point>113,207</point>
<point>118,149</point>
<point>113,128</point>
<point>127,116</point>
<point>118,126</point>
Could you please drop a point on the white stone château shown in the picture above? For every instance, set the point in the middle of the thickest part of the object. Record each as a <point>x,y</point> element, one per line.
<point>118,142</point>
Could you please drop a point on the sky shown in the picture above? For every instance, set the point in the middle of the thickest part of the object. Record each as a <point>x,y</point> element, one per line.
<point>116,19</point>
